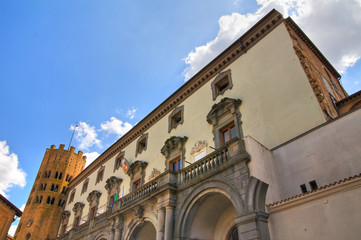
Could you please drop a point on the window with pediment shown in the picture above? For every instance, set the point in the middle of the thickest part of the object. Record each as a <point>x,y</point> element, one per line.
<point>93,200</point>
<point>176,118</point>
<point>174,152</point>
<point>118,161</point>
<point>221,83</point>
<point>225,119</point>
<point>78,211</point>
<point>113,188</point>
<point>142,144</point>
<point>64,219</point>
<point>136,173</point>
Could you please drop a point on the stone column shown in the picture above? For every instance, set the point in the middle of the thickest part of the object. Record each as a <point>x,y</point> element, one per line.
<point>169,218</point>
<point>160,225</point>
<point>253,225</point>
<point>117,233</point>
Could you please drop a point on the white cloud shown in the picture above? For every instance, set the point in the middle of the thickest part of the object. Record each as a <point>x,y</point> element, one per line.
<point>334,30</point>
<point>356,82</point>
<point>116,126</point>
<point>131,113</point>
<point>90,157</point>
<point>10,173</point>
<point>22,207</point>
<point>86,135</point>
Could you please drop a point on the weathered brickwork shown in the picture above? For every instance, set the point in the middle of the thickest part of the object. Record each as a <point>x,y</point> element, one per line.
<point>7,214</point>
<point>49,193</point>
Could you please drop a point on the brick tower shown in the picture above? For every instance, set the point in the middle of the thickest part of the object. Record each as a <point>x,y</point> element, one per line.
<point>41,216</point>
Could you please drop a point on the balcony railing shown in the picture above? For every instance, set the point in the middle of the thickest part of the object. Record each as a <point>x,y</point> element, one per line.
<point>199,170</point>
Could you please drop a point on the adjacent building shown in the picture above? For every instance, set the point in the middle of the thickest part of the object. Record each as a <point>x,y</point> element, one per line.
<point>8,211</point>
<point>41,217</point>
<point>262,143</point>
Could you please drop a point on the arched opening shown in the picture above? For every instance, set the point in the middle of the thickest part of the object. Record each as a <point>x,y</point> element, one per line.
<point>144,231</point>
<point>211,217</point>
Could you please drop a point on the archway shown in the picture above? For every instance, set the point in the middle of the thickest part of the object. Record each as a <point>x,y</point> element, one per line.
<point>211,217</point>
<point>144,231</point>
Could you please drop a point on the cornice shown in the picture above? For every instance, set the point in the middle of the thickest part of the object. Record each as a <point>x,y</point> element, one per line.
<point>6,202</point>
<point>217,65</point>
<point>356,95</point>
<point>311,46</point>
<point>346,183</point>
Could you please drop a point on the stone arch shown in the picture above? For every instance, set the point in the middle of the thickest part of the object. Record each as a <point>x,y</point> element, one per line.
<point>103,235</point>
<point>144,229</point>
<point>208,191</point>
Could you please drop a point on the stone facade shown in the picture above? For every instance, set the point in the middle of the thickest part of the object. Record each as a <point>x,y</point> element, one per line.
<point>47,199</point>
<point>7,215</point>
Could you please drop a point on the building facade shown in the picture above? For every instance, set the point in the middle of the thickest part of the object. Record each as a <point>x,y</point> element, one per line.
<point>47,199</point>
<point>243,150</point>
<point>8,211</point>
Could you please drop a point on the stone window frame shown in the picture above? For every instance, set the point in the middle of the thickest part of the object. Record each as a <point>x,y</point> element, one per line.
<point>175,112</point>
<point>141,139</point>
<point>221,115</point>
<point>113,187</point>
<point>137,172</point>
<point>118,161</point>
<point>102,172</point>
<point>78,211</point>
<point>85,186</point>
<point>93,200</point>
<point>64,219</point>
<point>220,78</point>
<point>174,148</point>
<point>72,196</point>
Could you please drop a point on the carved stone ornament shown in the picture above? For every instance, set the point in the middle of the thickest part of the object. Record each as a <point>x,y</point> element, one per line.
<point>138,211</point>
<point>78,207</point>
<point>112,183</point>
<point>225,105</point>
<point>198,146</point>
<point>137,165</point>
<point>155,172</point>
<point>173,143</point>
<point>65,216</point>
<point>93,196</point>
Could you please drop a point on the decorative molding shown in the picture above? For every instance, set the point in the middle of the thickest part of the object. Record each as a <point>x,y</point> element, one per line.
<point>93,196</point>
<point>155,172</point>
<point>170,118</point>
<point>217,65</point>
<point>199,145</point>
<point>218,109</point>
<point>64,217</point>
<point>144,137</point>
<point>171,144</point>
<point>78,206</point>
<point>112,182</point>
<point>218,79</point>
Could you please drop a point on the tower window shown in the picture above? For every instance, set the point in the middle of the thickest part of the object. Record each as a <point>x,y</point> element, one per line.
<point>54,187</point>
<point>68,178</point>
<point>50,200</point>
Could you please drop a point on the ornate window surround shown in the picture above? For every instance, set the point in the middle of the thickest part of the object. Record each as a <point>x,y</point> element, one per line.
<point>226,75</point>
<point>141,139</point>
<point>78,211</point>
<point>174,148</point>
<point>64,219</point>
<point>171,121</point>
<point>222,114</point>
<point>93,200</point>
<point>113,187</point>
<point>137,172</point>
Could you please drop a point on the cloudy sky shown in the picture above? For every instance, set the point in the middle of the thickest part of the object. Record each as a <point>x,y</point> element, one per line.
<point>104,65</point>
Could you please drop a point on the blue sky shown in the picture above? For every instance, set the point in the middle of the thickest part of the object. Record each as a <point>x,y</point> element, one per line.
<point>104,65</point>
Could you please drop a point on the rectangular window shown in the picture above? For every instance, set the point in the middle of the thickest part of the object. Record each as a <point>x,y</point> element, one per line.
<point>222,85</point>
<point>85,187</point>
<point>136,184</point>
<point>100,175</point>
<point>71,198</point>
<point>228,133</point>
<point>313,185</point>
<point>68,178</point>
<point>142,145</point>
<point>303,188</point>
<point>77,221</point>
<point>92,212</point>
<point>176,164</point>
<point>54,187</point>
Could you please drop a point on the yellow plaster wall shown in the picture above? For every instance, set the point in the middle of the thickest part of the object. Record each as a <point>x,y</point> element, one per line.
<point>278,104</point>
